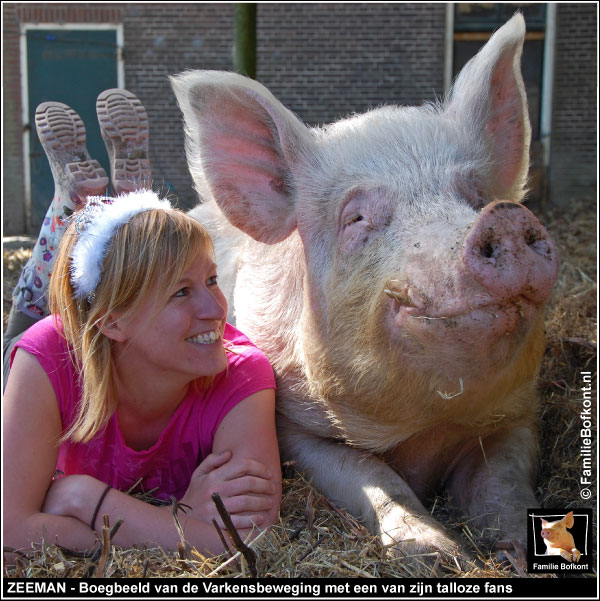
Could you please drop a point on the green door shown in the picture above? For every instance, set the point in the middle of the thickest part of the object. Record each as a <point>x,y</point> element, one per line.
<point>71,66</point>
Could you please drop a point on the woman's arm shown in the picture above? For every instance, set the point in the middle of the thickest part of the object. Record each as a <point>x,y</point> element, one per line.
<point>79,495</point>
<point>61,510</point>
<point>248,431</point>
<point>244,468</point>
<point>31,430</point>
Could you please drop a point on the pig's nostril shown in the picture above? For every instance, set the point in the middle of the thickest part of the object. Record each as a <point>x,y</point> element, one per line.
<point>539,244</point>
<point>487,250</point>
<point>531,237</point>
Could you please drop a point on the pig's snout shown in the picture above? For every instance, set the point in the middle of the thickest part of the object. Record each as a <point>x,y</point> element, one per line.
<point>510,253</point>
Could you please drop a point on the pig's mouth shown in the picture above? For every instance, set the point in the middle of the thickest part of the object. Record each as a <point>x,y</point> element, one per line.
<point>520,303</point>
<point>458,337</point>
<point>488,319</point>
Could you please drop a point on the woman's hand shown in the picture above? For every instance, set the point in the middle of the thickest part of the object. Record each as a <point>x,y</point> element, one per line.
<point>245,486</point>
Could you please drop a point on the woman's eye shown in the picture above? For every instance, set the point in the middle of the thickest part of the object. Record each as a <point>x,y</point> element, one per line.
<point>183,292</point>
<point>212,281</point>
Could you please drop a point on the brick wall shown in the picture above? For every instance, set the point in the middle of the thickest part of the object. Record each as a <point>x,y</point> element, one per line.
<point>160,40</point>
<point>574,158</point>
<point>323,61</point>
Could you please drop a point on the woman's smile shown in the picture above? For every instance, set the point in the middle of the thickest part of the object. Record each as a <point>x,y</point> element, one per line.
<point>206,337</point>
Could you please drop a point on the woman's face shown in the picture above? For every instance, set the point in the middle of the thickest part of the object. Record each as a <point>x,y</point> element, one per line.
<point>186,335</point>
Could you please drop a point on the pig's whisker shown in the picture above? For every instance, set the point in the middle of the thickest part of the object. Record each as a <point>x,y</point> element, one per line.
<point>483,451</point>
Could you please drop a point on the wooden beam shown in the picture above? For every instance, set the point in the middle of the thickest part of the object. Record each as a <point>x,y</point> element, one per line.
<point>484,36</point>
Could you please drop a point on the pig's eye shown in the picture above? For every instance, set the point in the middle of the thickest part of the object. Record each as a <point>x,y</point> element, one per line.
<point>353,219</point>
<point>365,214</point>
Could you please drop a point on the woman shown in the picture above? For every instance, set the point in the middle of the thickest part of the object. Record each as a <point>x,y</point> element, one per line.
<point>136,382</point>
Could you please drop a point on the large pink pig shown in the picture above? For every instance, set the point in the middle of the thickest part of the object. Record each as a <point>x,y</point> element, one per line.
<point>386,267</point>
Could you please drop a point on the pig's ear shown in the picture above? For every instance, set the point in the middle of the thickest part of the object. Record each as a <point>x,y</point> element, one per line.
<point>489,95</point>
<point>243,149</point>
<point>569,520</point>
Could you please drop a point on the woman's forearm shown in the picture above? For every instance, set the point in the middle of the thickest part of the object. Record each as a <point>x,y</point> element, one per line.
<point>147,524</point>
<point>88,499</point>
<point>143,524</point>
<point>73,510</point>
<point>66,531</point>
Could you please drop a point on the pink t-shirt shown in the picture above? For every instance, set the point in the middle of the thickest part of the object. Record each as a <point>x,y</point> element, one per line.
<point>167,465</point>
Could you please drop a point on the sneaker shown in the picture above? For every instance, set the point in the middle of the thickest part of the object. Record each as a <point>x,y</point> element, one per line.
<point>62,135</point>
<point>125,131</point>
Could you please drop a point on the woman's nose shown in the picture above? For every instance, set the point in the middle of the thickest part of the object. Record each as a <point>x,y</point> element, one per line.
<point>211,304</point>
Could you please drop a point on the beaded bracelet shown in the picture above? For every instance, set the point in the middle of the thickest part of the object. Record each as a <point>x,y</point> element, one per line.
<point>104,493</point>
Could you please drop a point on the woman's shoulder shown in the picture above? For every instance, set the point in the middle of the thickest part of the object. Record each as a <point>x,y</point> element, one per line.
<point>45,341</point>
<point>244,356</point>
<point>240,345</point>
<point>248,372</point>
<point>45,333</point>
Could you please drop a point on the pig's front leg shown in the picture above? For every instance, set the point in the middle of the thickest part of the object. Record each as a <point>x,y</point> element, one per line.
<point>494,483</point>
<point>369,489</point>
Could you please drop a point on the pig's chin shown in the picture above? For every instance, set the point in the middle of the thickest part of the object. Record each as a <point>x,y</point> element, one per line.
<point>475,340</point>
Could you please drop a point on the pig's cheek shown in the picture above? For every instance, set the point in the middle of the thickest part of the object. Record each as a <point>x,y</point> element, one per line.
<point>354,237</point>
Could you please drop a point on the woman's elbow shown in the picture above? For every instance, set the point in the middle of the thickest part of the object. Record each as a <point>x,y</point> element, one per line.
<point>18,531</point>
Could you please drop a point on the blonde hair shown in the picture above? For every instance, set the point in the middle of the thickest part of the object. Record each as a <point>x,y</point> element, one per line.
<point>154,246</point>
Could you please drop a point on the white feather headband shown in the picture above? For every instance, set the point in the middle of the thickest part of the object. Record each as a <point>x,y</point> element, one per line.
<point>96,224</point>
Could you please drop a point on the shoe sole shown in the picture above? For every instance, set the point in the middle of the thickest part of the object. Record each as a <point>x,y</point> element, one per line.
<point>62,135</point>
<point>125,129</point>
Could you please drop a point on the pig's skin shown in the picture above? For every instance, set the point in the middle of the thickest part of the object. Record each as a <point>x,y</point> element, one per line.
<point>385,397</point>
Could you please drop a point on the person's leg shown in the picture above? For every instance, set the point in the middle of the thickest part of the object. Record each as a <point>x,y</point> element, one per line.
<point>124,127</point>
<point>76,176</point>
<point>125,131</point>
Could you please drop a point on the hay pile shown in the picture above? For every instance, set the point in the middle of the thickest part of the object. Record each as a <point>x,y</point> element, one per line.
<point>571,331</point>
<point>316,539</point>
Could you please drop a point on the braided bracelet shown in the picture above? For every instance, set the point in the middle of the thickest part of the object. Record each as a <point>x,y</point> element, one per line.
<point>104,493</point>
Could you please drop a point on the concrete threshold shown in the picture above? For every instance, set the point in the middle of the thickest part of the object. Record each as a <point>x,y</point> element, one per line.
<point>14,242</point>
